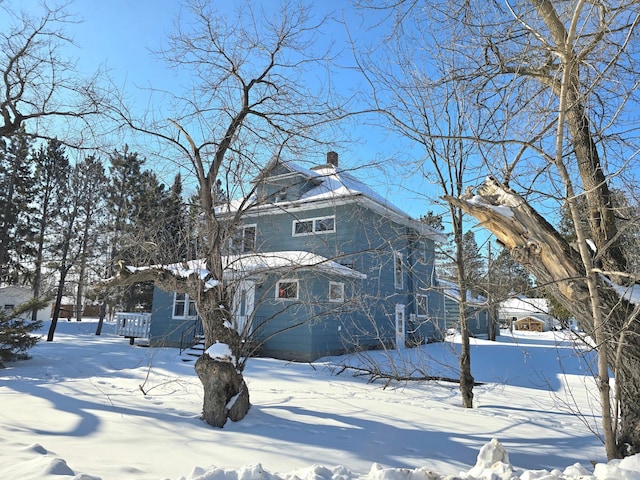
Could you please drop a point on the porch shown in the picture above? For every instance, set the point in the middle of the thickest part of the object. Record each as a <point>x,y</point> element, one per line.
<point>133,325</point>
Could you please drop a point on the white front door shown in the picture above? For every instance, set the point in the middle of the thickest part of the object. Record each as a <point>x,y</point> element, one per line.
<point>400,327</point>
<point>243,303</point>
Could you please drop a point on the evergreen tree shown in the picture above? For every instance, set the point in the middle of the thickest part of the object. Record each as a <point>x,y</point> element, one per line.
<point>63,234</point>
<point>474,261</point>
<point>124,174</point>
<point>92,182</point>
<point>433,220</point>
<point>176,232</point>
<point>145,219</point>
<point>16,195</point>
<point>15,331</point>
<point>506,278</point>
<point>51,167</point>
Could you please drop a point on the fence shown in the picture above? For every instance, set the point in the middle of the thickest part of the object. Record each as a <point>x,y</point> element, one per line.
<point>133,325</point>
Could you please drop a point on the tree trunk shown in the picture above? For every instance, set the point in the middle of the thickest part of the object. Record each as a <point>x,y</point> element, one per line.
<point>225,392</point>
<point>535,244</point>
<point>466,378</point>
<point>58,304</point>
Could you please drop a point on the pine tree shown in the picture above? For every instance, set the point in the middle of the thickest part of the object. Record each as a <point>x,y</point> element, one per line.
<point>474,261</point>
<point>16,195</point>
<point>51,168</point>
<point>92,182</point>
<point>66,204</point>
<point>176,232</point>
<point>508,278</point>
<point>124,174</point>
<point>15,331</point>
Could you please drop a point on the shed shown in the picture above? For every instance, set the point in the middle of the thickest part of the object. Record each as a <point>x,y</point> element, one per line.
<point>532,324</point>
<point>14,295</point>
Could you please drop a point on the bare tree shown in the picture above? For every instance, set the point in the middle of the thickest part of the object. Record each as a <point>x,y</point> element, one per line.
<point>561,72</point>
<point>413,102</point>
<point>39,83</point>
<point>251,100</point>
<point>553,85</point>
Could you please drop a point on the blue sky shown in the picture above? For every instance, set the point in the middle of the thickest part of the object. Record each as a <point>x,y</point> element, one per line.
<point>120,36</point>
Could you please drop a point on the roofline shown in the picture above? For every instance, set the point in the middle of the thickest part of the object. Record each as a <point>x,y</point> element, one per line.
<point>356,197</point>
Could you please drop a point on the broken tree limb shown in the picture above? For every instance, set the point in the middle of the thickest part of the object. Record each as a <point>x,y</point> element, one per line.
<point>544,253</point>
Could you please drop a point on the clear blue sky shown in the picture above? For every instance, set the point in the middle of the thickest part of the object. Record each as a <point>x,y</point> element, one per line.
<point>120,35</point>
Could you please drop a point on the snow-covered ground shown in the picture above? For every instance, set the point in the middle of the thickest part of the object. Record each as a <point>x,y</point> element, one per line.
<point>89,407</point>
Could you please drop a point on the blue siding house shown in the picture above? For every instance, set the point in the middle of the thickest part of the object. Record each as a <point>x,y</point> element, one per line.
<point>477,314</point>
<point>321,265</point>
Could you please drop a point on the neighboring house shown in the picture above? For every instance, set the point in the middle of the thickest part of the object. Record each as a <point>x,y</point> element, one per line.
<point>321,265</point>
<point>13,295</point>
<point>523,313</point>
<point>477,309</point>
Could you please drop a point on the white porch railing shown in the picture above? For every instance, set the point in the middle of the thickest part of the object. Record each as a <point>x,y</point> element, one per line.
<point>133,325</point>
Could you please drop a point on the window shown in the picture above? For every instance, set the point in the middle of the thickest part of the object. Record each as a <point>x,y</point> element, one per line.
<point>287,289</point>
<point>244,240</point>
<point>422,306</point>
<point>183,306</point>
<point>9,306</point>
<point>303,227</point>
<point>336,292</point>
<point>398,270</point>
<point>423,252</point>
<point>314,225</point>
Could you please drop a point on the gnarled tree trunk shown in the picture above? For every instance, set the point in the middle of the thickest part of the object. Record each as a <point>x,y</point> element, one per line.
<point>535,244</point>
<point>225,392</point>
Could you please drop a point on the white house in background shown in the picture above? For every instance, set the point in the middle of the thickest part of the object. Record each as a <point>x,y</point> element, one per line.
<point>523,313</point>
<point>13,295</point>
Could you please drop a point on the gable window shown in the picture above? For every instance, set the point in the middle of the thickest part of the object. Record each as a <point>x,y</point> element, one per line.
<point>422,306</point>
<point>398,270</point>
<point>310,226</point>
<point>287,289</point>
<point>336,292</point>
<point>244,240</point>
<point>183,306</point>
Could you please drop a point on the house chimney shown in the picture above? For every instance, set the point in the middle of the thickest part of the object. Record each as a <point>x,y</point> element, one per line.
<point>332,159</point>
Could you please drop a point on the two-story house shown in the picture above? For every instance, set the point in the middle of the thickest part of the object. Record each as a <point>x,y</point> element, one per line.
<point>322,265</point>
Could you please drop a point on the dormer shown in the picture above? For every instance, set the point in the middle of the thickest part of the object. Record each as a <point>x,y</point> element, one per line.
<point>285,182</point>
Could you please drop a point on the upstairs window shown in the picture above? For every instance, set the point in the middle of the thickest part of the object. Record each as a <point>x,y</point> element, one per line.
<point>244,240</point>
<point>310,226</point>
<point>183,306</point>
<point>398,270</point>
<point>336,292</point>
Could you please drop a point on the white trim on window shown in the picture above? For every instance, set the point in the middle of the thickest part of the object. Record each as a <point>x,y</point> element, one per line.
<point>244,239</point>
<point>398,270</point>
<point>287,289</point>
<point>422,306</point>
<point>183,306</point>
<point>336,292</point>
<point>311,226</point>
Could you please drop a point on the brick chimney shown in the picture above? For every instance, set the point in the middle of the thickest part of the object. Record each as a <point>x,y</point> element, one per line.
<point>332,159</point>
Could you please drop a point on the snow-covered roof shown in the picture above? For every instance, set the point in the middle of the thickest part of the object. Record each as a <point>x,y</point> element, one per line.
<point>525,305</point>
<point>333,183</point>
<point>254,263</point>
<point>289,259</point>
<point>452,290</point>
